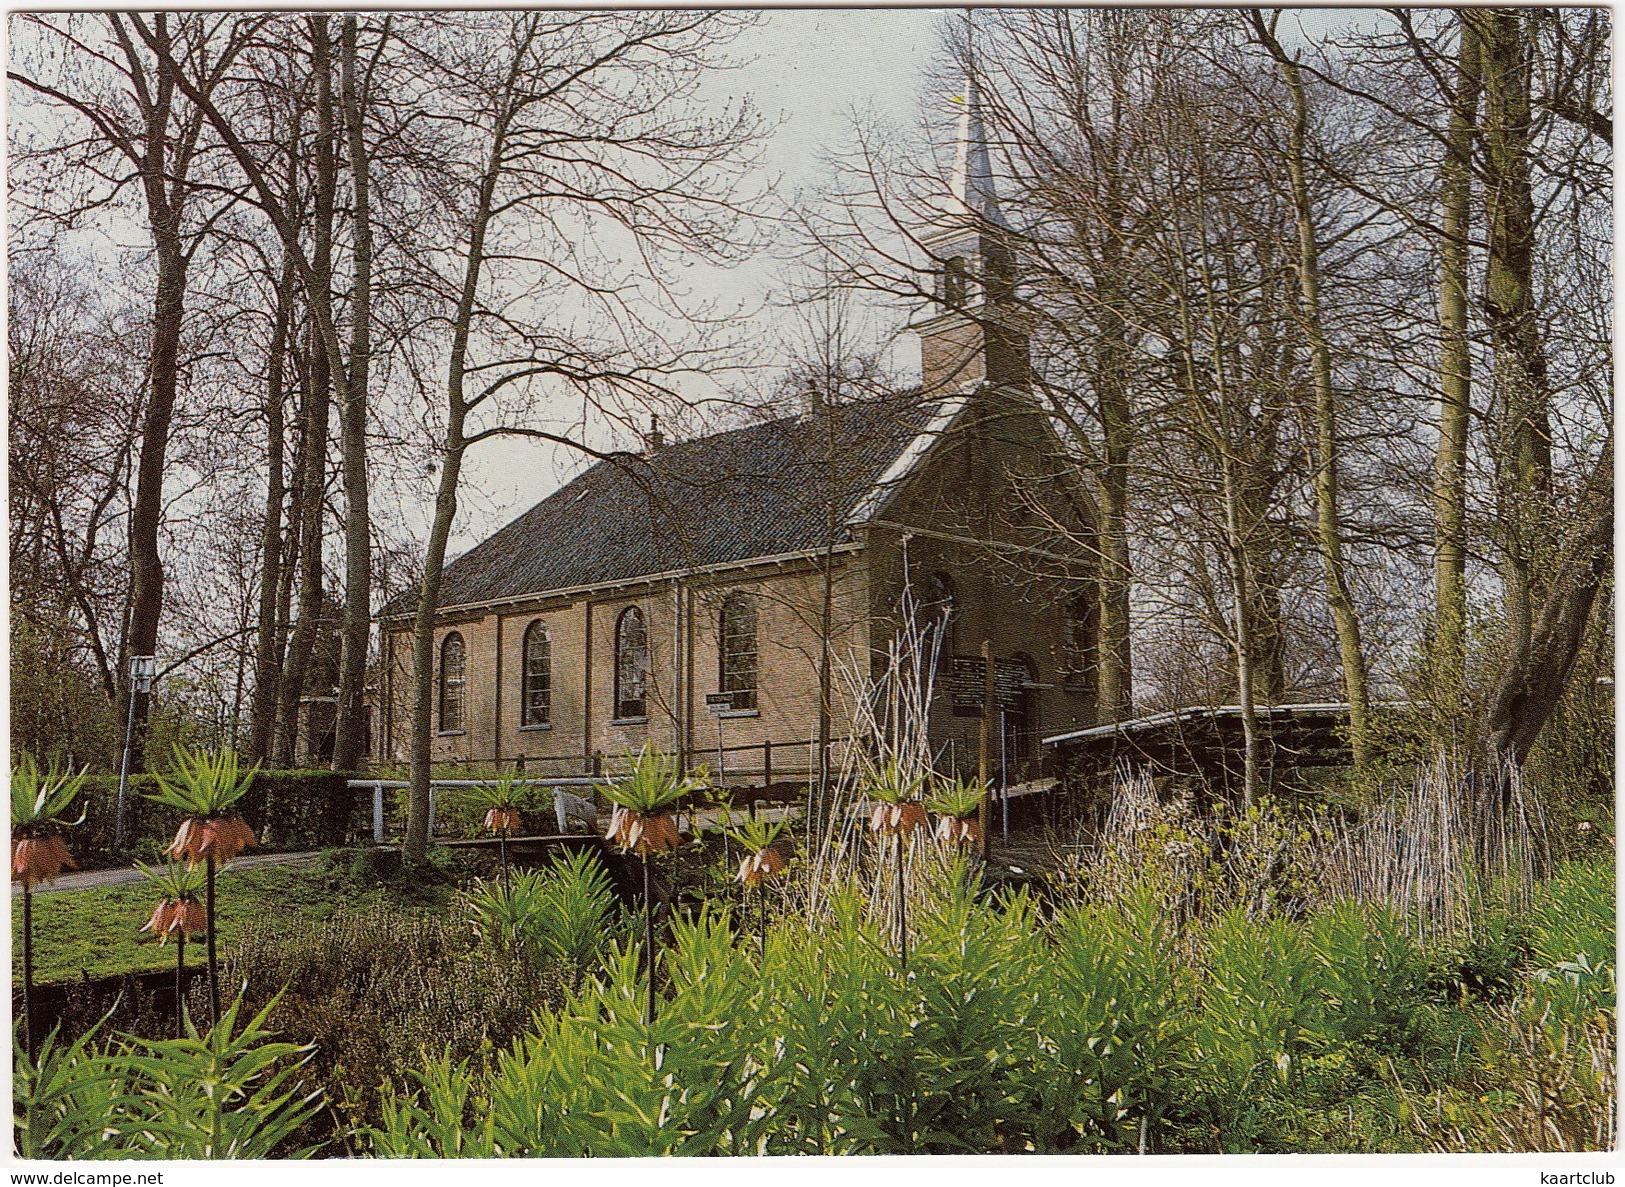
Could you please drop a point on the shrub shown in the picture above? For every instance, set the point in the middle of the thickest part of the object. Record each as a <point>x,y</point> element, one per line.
<point>224,1093</point>
<point>566,914</point>
<point>380,989</point>
<point>1116,1040</point>
<point>290,810</point>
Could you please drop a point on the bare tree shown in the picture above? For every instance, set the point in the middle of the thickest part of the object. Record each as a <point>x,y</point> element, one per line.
<point>581,122</point>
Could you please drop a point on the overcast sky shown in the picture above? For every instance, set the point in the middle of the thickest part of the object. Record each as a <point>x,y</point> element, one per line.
<point>808,72</point>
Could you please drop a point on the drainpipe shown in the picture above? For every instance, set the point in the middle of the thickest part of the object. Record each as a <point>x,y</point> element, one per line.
<point>678,650</point>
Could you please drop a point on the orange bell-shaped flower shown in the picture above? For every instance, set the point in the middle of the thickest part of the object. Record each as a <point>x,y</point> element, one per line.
<point>181,917</point>
<point>502,820</point>
<point>764,863</point>
<point>635,832</point>
<point>36,859</point>
<point>908,816</point>
<point>219,837</point>
<point>959,829</point>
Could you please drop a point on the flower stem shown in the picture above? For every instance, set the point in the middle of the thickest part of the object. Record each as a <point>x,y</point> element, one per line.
<point>28,967</point>
<point>214,962</point>
<point>902,909</point>
<point>649,939</point>
<point>180,983</point>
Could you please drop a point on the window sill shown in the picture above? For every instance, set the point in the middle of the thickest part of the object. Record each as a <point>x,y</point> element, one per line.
<point>451,733</point>
<point>630,721</point>
<point>541,725</point>
<point>740,713</point>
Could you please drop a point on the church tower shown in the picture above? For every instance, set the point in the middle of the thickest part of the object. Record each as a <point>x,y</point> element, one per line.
<point>971,333</point>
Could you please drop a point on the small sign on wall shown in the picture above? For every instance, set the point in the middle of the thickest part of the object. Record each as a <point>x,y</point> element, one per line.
<point>719,702</point>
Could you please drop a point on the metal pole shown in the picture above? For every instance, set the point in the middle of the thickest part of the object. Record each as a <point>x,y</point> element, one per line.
<point>378,813</point>
<point>984,747</point>
<point>124,770</point>
<point>1004,773</point>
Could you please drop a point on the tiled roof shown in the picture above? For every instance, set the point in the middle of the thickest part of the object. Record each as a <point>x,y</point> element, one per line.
<point>758,491</point>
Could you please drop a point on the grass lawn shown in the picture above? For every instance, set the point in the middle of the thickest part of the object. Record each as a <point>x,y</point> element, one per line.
<point>99,932</point>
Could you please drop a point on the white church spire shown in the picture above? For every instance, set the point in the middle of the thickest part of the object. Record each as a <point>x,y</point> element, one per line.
<point>973,189</point>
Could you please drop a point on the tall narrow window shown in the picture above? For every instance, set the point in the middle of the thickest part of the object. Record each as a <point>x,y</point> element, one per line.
<point>453,678</point>
<point>631,664</point>
<point>537,699</point>
<point>955,281</point>
<point>736,648</point>
<point>1078,660</point>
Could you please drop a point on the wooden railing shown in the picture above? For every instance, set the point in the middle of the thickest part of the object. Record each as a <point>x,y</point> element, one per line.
<point>761,762</point>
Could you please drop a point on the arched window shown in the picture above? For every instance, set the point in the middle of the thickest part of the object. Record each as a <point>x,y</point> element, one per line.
<point>938,610</point>
<point>1081,617</point>
<point>453,678</point>
<point>736,649</point>
<point>536,700</point>
<point>955,281</point>
<point>631,665</point>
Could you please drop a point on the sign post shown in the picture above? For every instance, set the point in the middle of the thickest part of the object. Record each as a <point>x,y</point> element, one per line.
<point>718,703</point>
<point>143,671</point>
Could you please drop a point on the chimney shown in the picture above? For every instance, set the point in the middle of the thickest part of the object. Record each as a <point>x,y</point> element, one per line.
<point>654,440</point>
<point>812,399</point>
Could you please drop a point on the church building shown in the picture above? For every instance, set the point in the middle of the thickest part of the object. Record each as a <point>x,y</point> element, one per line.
<point>715,597</point>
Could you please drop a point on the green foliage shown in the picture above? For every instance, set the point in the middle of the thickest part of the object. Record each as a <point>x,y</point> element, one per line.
<point>502,792</point>
<point>755,835</point>
<point>653,782</point>
<point>565,913</point>
<point>1373,976</point>
<point>41,798</point>
<point>1114,1059</point>
<point>1489,964</point>
<point>289,810</point>
<point>64,1098</point>
<point>203,783</point>
<point>892,783</point>
<point>1261,1012</point>
<point>959,798</point>
<point>175,880</point>
<point>224,1093</point>
<point>1109,1027</point>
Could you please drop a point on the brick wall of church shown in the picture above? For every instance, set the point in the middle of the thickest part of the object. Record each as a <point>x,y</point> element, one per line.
<point>581,633</point>
<point>1011,599</point>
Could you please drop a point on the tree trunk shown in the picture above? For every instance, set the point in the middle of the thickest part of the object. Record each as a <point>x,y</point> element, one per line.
<point>445,510</point>
<point>350,735</point>
<point>1523,431</point>
<point>1114,576</point>
<point>323,377</point>
<point>163,379</point>
<point>1536,674</point>
<point>1449,652</point>
<point>269,643</point>
<point>1328,522</point>
<point>307,503</point>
